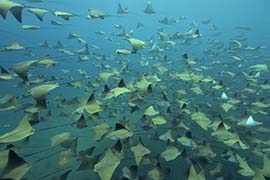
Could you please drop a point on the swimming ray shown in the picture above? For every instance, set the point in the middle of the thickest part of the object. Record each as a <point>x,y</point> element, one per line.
<point>39,93</point>
<point>95,13</point>
<point>106,167</point>
<point>38,12</point>
<point>64,15</point>
<point>22,68</point>
<point>149,9</point>
<point>121,10</point>
<point>136,44</point>
<point>16,167</point>
<point>8,103</point>
<point>15,8</point>
<point>23,130</point>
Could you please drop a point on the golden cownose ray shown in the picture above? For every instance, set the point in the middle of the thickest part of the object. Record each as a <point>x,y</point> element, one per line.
<point>150,111</point>
<point>94,13</point>
<point>5,75</point>
<point>22,68</point>
<point>47,61</point>
<point>249,122</point>
<point>91,106</point>
<point>100,130</point>
<point>130,172</point>
<point>167,136</point>
<point>158,120</point>
<point>201,119</point>
<point>221,132</point>
<point>15,168</point>
<point>170,153</point>
<point>121,10</point>
<point>155,172</point>
<point>76,84</point>
<point>143,84</point>
<point>162,36</point>
<point>149,9</point>
<point>245,168</point>
<point>23,130</point>
<point>65,15</point>
<point>38,12</point>
<point>120,132</point>
<point>266,166</point>
<point>15,46</point>
<point>121,89</point>
<point>39,93</point>
<point>58,139</point>
<point>3,158</point>
<point>8,103</point>
<point>123,51</point>
<point>83,58</point>
<point>136,44</point>
<point>187,140</point>
<point>259,67</point>
<point>83,51</point>
<point>139,152</point>
<point>205,150</point>
<point>216,170</point>
<point>15,8</point>
<point>80,122</point>
<point>30,27</point>
<point>154,79</point>
<point>235,45</point>
<point>236,142</point>
<point>73,36</point>
<point>68,155</point>
<point>162,69</point>
<point>226,106</point>
<point>193,175</point>
<point>107,165</point>
<point>104,76</point>
<point>56,23</point>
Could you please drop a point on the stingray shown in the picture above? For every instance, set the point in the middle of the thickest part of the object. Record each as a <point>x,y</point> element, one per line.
<point>47,61</point>
<point>22,68</point>
<point>73,36</point>
<point>65,15</point>
<point>44,44</point>
<point>107,165</point>
<point>4,74</point>
<point>8,103</point>
<point>121,10</point>
<point>136,44</point>
<point>206,21</point>
<point>13,7</point>
<point>40,93</point>
<point>91,106</point>
<point>59,45</point>
<point>149,9</point>
<point>83,51</point>
<point>56,23</point>
<point>30,27</point>
<point>94,14</point>
<point>23,130</point>
<point>139,24</point>
<point>15,46</point>
<point>38,12</point>
<point>15,168</point>
<point>122,51</point>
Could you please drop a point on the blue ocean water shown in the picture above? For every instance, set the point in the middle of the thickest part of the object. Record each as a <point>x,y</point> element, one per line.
<point>203,50</point>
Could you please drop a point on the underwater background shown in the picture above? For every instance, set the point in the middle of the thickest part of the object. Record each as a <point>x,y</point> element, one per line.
<point>173,90</point>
